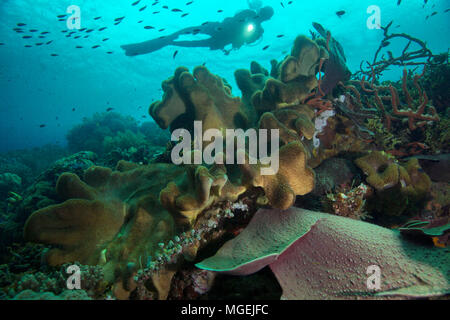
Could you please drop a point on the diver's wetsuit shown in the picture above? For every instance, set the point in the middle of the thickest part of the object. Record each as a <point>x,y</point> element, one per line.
<point>232,31</point>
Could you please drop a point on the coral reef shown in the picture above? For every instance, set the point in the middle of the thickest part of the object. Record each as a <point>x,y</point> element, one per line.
<point>136,223</point>
<point>349,203</point>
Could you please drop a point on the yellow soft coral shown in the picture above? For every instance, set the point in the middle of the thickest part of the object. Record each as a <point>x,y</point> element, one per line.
<point>293,178</point>
<point>199,96</point>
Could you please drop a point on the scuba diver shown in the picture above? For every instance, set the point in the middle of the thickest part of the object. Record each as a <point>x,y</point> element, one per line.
<point>243,28</point>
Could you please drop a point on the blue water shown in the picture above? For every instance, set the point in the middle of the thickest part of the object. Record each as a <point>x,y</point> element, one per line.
<point>35,87</point>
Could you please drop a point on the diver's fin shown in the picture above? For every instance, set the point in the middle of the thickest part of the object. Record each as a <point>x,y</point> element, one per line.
<point>136,49</point>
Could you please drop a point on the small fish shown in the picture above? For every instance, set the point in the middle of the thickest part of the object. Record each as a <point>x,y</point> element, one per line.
<point>33,30</point>
<point>97,18</point>
<point>143,8</point>
<point>340,13</point>
<point>49,42</point>
<point>27,37</point>
<point>96,46</point>
<point>77,37</point>
<point>219,11</point>
<point>447,10</point>
<point>177,10</point>
<point>86,37</point>
<point>21,24</point>
<point>184,15</point>
<point>119,19</point>
<point>140,21</point>
<point>189,3</point>
<point>106,39</point>
<point>42,126</point>
<point>62,16</point>
<point>149,27</point>
<point>398,2</point>
<point>109,109</point>
<point>165,7</point>
<point>45,32</point>
<point>73,109</point>
<point>156,12</point>
<point>103,28</point>
<point>136,3</point>
<point>62,19</point>
<point>109,52</point>
<point>89,30</point>
<point>41,37</point>
<point>54,54</point>
<point>161,30</point>
<point>433,14</point>
<point>280,36</point>
<point>266,47</point>
<point>205,23</point>
<point>28,46</point>
<point>175,54</point>
<point>82,29</point>
<point>2,44</point>
<point>282,4</point>
<point>39,44</point>
<point>79,47</point>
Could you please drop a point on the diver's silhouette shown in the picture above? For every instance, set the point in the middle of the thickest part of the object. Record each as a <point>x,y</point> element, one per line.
<point>243,28</point>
